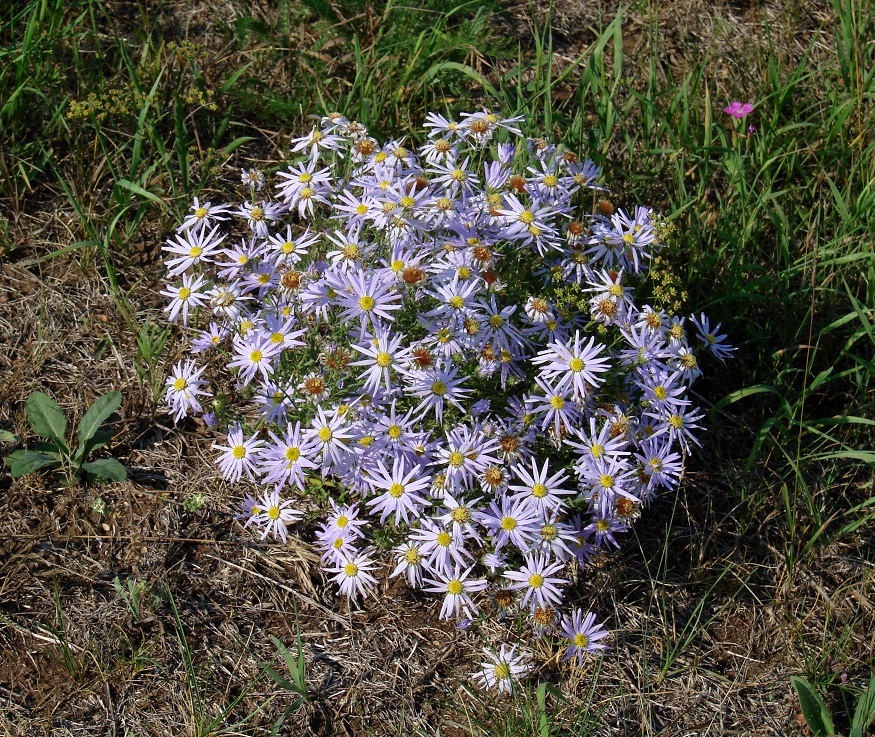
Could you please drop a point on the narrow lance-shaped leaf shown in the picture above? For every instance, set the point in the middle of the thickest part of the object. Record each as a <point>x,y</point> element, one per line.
<point>93,419</point>
<point>864,714</point>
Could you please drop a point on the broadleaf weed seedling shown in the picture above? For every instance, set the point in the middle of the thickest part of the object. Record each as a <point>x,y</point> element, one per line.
<point>48,421</point>
<point>139,595</point>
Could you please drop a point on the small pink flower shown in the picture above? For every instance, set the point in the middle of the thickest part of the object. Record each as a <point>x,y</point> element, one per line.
<point>738,109</point>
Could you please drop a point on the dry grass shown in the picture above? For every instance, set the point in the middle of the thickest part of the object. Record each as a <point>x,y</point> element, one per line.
<point>706,631</point>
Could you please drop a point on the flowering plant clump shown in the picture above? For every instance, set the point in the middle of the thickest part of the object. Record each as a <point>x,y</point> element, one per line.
<point>451,341</point>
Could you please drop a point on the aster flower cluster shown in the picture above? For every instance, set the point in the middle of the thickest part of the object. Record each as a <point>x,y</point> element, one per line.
<point>395,324</point>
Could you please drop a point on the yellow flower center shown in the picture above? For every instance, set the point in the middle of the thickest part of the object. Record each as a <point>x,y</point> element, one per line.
<point>180,384</point>
<point>292,454</point>
<point>501,671</point>
<point>439,388</point>
<point>305,177</point>
<point>342,521</point>
<point>653,320</point>
<point>195,251</point>
<point>576,364</point>
<point>366,303</point>
<point>394,432</point>
<point>325,434</point>
<point>508,524</point>
<point>539,491</point>
<point>351,569</point>
<point>256,356</point>
<point>273,512</point>
<point>444,539</point>
<point>676,421</point>
<point>200,213</point>
<point>460,515</point>
<point>536,580</point>
<point>581,640</point>
<point>239,452</point>
<point>407,202</point>
<point>456,302</point>
<point>597,450</point>
<point>256,213</point>
<point>456,459</point>
<point>606,481</point>
<point>455,587</point>
<point>527,217</point>
<point>384,360</point>
<point>660,392</point>
<point>557,402</point>
<point>396,490</point>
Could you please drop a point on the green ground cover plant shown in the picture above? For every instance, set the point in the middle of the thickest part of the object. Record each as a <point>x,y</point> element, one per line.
<point>115,116</point>
<point>48,421</point>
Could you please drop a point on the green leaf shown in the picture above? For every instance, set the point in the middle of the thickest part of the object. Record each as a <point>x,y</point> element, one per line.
<point>864,715</point>
<point>295,665</point>
<point>93,419</point>
<point>46,418</point>
<point>817,716</point>
<point>7,437</point>
<point>232,80</point>
<point>236,143</point>
<point>108,468</point>
<point>137,189</point>
<point>23,462</point>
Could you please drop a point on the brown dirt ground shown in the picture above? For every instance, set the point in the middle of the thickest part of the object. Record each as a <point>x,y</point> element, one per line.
<point>705,634</point>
